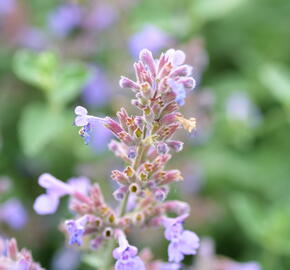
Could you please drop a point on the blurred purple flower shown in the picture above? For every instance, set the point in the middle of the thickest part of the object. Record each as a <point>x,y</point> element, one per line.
<point>126,256</point>
<point>182,242</point>
<point>13,213</point>
<point>151,38</point>
<point>7,6</point>
<point>243,266</point>
<point>76,229</point>
<point>102,16</point>
<point>66,259</point>
<point>55,189</point>
<point>96,91</point>
<point>65,19</point>
<point>239,107</point>
<point>167,266</point>
<point>31,38</point>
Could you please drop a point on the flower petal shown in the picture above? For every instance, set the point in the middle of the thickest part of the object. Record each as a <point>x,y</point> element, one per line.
<point>189,243</point>
<point>81,121</point>
<point>46,204</point>
<point>79,110</point>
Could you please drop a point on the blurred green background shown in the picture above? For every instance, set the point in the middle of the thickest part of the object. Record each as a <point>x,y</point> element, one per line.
<point>55,55</point>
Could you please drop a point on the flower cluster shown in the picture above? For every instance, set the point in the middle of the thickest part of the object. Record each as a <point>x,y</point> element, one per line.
<point>13,259</point>
<point>144,142</point>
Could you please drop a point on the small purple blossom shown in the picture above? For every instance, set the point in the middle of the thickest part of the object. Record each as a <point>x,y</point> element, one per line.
<point>55,189</point>
<point>13,213</point>
<point>126,256</point>
<point>96,91</point>
<point>65,19</point>
<point>7,6</point>
<point>182,242</point>
<point>76,230</point>
<point>86,122</point>
<point>150,37</point>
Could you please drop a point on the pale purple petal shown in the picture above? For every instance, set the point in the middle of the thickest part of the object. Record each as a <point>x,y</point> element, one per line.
<point>174,254</point>
<point>46,204</point>
<point>81,121</point>
<point>178,58</point>
<point>79,110</point>
<point>54,185</point>
<point>13,213</point>
<point>189,243</point>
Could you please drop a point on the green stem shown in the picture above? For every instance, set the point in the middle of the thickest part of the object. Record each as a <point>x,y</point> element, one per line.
<point>124,204</point>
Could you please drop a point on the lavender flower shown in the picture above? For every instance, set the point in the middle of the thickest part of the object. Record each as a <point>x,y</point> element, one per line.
<point>126,256</point>
<point>76,230</point>
<point>102,16</point>
<point>86,122</point>
<point>55,189</point>
<point>150,37</point>
<point>13,259</point>
<point>182,242</point>
<point>96,91</point>
<point>13,213</point>
<point>66,259</point>
<point>7,6</point>
<point>65,19</point>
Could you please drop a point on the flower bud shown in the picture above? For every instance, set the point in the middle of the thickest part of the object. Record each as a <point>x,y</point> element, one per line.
<point>131,152</point>
<point>162,148</point>
<point>127,83</point>
<point>176,146</point>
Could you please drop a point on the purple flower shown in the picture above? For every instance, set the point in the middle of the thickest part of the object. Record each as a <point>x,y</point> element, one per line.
<point>7,6</point>
<point>102,16</point>
<point>150,37</point>
<point>126,256</point>
<point>65,19</point>
<point>32,38</point>
<point>55,189</point>
<point>86,122</point>
<point>76,229</point>
<point>95,92</point>
<point>66,259</point>
<point>13,213</point>
<point>182,242</point>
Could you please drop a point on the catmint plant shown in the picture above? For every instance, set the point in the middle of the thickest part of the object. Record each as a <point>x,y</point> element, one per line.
<point>145,143</point>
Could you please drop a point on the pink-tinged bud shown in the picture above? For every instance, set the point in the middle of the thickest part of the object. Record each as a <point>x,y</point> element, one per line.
<point>168,96</point>
<point>137,104</point>
<point>162,60</point>
<point>162,148</point>
<point>182,71</point>
<point>177,207</point>
<point>147,59</point>
<point>146,91</point>
<point>169,119</point>
<point>165,71</point>
<point>167,177</point>
<point>12,249</point>
<point>113,125</point>
<point>119,150</point>
<point>127,83</point>
<point>176,146</point>
<point>120,177</point>
<point>125,137</point>
<point>188,83</point>
<point>120,193</point>
<point>167,132</point>
<point>171,107</point>
<point>122,116</point>
<point>139,218</point>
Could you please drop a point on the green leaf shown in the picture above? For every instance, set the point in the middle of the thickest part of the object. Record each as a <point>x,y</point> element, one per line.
<point>276,79</point>
<point>36,68</point>
<point>69,81</point>
<point>37,127</point>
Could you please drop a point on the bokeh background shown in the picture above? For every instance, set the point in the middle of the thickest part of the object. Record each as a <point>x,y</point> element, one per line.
<point>55,55</point>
